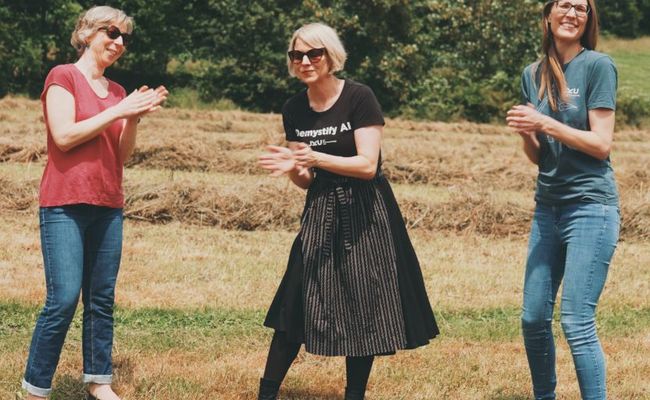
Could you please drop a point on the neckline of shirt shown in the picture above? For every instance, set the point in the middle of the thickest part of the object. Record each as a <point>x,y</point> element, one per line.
<point>345,86</point>
<point>564,66</point>
<point>91,87</point>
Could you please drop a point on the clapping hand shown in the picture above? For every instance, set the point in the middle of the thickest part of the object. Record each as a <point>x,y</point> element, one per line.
<point>141,102</point>
<point>525,120</point>
<point>279,160</point>
<point>161,93</point>
<point>305,156</point>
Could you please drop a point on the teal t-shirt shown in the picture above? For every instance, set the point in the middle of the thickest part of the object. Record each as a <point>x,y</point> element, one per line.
<point>567,175</point>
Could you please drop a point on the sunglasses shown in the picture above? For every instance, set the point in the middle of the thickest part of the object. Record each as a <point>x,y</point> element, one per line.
<point>565,6</point>
<point>113,32</point>
<point>314,55</point>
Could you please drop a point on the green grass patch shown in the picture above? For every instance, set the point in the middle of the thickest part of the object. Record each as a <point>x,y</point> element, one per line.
<point>162,330</point>
<point>632,57</point>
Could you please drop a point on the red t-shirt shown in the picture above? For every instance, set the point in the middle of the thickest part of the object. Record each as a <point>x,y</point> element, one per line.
<point>90,173</point>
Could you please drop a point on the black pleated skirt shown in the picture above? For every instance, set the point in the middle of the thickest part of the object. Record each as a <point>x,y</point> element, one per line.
<point>353,285</point>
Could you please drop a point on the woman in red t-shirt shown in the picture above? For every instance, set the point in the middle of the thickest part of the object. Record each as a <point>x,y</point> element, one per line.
<point>91,130</point>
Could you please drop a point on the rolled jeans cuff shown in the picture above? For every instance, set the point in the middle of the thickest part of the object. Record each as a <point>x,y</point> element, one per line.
<point>99,379</point>
<point>36,391</point>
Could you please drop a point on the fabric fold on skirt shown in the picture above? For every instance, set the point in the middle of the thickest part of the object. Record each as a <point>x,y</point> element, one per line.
<point>353,284</point>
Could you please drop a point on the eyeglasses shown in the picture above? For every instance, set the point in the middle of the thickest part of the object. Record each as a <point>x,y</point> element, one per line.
<point>314,55</point>
<point>565,6</point>
<point>113,32</point>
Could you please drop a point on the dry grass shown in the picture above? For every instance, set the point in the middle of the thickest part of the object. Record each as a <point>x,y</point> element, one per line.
<point>475,163</point>
<point>446,369</point>
<point>250,203</point>
<point>211,267</point>
<point>207,230</point>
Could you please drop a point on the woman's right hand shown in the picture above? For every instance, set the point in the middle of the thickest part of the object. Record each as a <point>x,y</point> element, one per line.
<point>279,160</point>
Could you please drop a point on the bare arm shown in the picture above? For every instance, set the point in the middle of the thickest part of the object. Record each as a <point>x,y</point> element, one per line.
<point>67,133</point>
<point>130,129</point>
<point>280,160</point>
<point>597,142</point>
<point>530,145</point>
<point>362,166</point>
<point>127,138</point>
<point>300,176</point>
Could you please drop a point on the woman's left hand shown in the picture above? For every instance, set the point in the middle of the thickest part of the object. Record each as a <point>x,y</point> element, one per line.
<point>525,118</point>
<point>161,95</point>
<point>305,157</point>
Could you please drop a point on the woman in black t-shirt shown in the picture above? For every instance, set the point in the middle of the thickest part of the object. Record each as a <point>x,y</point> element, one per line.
<point>353,285</point>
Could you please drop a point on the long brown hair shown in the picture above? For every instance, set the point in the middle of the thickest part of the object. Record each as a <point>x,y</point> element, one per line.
<point>552,82</point>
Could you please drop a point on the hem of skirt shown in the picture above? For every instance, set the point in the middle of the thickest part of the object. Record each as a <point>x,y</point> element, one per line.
<point>411,346</point>
<point>99,379</point>
<point>290,336</point>
<point>390,350</point>
<point>35,390</point>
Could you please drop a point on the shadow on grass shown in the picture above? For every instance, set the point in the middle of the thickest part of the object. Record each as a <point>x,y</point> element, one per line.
<point>311,393</point>
<point>71,387</point>
<point>509,397</point>
<point>68,387</point>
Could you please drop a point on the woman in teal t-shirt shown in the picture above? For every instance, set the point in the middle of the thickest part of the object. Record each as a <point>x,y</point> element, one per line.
<point>567,125</point>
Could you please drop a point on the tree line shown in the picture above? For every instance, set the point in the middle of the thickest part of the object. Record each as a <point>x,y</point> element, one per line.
<point>426,59</point>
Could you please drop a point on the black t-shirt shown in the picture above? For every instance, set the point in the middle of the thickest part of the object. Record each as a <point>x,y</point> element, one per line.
<point>332,131</point>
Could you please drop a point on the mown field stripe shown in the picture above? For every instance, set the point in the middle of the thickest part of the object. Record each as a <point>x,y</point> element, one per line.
<point>158,329</point>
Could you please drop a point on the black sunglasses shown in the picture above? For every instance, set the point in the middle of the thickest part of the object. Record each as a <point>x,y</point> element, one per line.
<point>314,55</point>
<point>113,32</point>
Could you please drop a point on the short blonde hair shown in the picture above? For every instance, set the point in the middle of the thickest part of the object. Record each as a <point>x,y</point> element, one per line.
<point>97,17</point>
<point>318,35</point>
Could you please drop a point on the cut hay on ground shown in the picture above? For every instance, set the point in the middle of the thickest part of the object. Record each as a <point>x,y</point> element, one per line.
<point>265,207</point>
<point>278,206</point>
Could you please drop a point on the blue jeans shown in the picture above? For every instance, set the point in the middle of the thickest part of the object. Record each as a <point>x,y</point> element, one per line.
<point>82,246</point>
<point>575,242</point>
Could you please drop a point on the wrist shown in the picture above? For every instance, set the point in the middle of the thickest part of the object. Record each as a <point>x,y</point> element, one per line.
<point>545,124</point>
<point>317,159</point>
<point>115,114</point>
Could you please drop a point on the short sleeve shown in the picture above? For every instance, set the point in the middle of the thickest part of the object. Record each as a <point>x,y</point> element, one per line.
<point>119,89</point>
<point>602,84</point>
<point>61,75</point>
<point>287,121</point>
<point>367,111</point>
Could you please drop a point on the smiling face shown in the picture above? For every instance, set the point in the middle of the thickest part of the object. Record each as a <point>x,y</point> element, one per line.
<point>567,22</point>
<point>307,71</point>
<point>104,49</point>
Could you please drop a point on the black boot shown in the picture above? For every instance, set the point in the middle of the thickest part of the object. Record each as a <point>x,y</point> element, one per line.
<point>352,393</point>
<point>268,390</point>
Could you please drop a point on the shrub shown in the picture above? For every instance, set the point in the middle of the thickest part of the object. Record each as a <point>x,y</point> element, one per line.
<point>632,110</point>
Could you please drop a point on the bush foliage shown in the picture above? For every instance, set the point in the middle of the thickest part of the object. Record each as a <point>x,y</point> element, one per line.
<point>429,59</point>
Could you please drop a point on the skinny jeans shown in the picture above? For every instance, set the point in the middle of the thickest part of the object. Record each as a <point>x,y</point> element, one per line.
<point>573,244</point>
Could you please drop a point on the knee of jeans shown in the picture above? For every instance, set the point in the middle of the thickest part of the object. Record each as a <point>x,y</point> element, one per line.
<point>534,322</point>
<point>63,306</point>
<point>101,300</point>
<point>578,329</point>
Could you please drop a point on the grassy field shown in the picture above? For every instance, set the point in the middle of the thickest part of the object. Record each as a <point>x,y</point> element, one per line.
<point>207,236</point>
<point>632,57</point>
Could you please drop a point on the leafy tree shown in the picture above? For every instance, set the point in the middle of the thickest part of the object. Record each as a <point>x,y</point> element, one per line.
<point>433,59</point>
<point>621,17</point>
